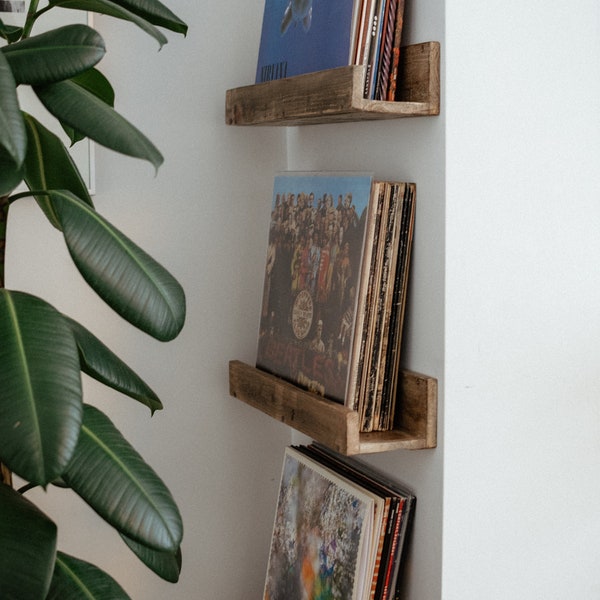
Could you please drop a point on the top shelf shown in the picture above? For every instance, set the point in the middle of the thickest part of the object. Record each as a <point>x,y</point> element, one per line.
<point>336,95</point>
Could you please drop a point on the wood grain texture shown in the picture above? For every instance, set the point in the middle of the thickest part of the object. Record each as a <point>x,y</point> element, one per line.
<point>337,95</point>
<point>333,424</point>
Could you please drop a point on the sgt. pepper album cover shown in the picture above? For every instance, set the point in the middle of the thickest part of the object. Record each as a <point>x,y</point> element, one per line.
<point>312,278</point>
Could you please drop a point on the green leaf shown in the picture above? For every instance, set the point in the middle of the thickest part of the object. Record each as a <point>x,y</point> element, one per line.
<point>40,388</point>
<point>75,579</point>
<point>12,130</point>
<point>76,107</point>
<point>11,33</point>
<point>167,565</point>
<point>125,277</point>
<point>48,165</point>
<point>113,9</point>
<point>116,482</point>
<point>10,174</point>
<point>152,11</point>
<point>28,548</point>
<point>55,55</point>
<point>102,364</point>
<point>94,82</point>
<point>157,13</point>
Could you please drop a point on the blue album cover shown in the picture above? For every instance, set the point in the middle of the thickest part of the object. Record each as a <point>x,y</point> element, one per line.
<point>304,36</point>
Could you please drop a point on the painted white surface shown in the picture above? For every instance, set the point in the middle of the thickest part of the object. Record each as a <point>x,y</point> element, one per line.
<point>522,377</point>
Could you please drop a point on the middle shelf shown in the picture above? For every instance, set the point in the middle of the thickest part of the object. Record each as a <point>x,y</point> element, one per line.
<point>335,425</point>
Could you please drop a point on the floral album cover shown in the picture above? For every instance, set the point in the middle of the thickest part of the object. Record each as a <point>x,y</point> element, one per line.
<point>321,534</point>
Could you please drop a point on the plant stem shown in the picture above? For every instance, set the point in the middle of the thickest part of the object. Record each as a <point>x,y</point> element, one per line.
<point>4,204</point>
<point>5,474</point>
<point>31,17</point>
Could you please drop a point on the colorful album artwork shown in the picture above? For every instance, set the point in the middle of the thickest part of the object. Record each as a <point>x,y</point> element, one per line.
<point>320,534</point>
<point>312,276</point>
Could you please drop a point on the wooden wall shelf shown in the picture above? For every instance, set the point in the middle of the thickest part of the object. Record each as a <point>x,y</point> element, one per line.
<point>336,95</point>
<point>333,424</point>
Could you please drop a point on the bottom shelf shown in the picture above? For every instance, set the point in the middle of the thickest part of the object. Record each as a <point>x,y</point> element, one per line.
<point>335,425</point>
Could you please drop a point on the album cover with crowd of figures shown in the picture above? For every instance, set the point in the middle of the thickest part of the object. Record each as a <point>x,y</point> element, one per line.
<point>312,277</point>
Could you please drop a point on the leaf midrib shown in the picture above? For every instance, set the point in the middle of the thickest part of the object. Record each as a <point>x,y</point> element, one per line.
<point>71,574</point>
<point>29,393</point>
<point>124,247</point>
<point>123,467</point>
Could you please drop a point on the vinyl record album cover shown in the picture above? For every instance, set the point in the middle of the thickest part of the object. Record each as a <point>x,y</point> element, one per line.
<point>321,535</point>
<point>312,279</point>
<point>304,36</point>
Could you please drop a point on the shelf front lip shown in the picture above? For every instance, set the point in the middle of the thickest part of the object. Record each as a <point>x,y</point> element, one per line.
<point>371,110</point>
<point>323,420</point>
<point>319,418</point>
<point>387,441</point>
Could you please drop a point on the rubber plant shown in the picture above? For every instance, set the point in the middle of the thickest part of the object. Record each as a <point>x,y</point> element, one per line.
<point>48,434</point>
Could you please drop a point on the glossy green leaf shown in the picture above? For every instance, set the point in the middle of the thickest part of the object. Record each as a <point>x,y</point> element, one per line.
<point>152,11</point>
<point>94,82</point>
<point>167,565</point>
<point>125,277</point>
<point>99,362</point>
<point>116,482</point>
<point>75,579</point>
<point>27,548</point>
<point>12,131</point>
<point>113,9</point>
<point>10,174</point>
<point>11,33</point>
<point>90,116</point>
<point>157,13</point>
<point>40,388</point>
<point>55,55</point>
<point>48,165</point>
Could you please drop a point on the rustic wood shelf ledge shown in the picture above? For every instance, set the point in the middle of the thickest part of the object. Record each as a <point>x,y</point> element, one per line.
<point>333,424</point>
<point>336,95</point>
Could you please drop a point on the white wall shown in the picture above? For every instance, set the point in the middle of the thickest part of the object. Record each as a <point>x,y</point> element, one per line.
<point>522,417</point>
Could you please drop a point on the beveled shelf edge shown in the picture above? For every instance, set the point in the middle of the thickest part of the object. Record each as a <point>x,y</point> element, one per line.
<point>336,95</point>
<point>335,425</point>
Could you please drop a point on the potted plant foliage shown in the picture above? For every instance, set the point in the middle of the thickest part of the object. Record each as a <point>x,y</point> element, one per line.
<point>48,435</point>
